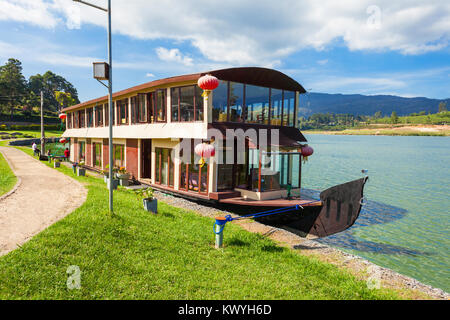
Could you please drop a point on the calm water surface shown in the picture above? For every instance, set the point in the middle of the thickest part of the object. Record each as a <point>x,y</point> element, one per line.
<point>405,224</point>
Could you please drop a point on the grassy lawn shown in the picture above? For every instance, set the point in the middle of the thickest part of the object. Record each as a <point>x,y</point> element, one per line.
<point>171,255</point>
<point>33,133</point>
<point>7,177</point>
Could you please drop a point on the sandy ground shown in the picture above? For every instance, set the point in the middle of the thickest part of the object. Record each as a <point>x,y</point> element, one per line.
<point>383,129</point>
<point>43,197</point>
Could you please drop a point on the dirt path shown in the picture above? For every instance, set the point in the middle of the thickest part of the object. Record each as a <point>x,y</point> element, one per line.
<point>43,197</point>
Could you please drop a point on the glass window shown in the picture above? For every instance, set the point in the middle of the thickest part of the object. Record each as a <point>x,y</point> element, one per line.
<point>122,111</point>
<point>69,120</point>
<point>150,106</point>
<point>224,173</point>
<point>90,117</point>
<point>257,101</point>
<point>174,99</point>
<point>106,115</point>
<point>99,115</point>
<point>142,108</point>
<point>192,176</point>
<point>119,155</point>
<point>76,123</point>
<point>161,105</point>
<point>82,117</point>
<point>198,104</point>
<point>98,155</point>
<point>134,110</point>
<point>158,165</point>
<point>236,101</point>
<point>276,99</point>
<point>220,94</point>
<point>187,103</point>
<point>82,151</point>
<point>288,108</point>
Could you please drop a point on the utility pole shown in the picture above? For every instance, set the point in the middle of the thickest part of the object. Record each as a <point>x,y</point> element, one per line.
<point>42,125</point>
<point>110,103</point>
<point>110,100</point>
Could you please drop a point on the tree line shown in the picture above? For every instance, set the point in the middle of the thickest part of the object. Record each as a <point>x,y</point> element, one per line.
<point>335,121</point>
<point>21,96</point>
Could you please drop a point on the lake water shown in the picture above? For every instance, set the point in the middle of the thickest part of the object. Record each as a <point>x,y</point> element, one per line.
<point>405,224</point>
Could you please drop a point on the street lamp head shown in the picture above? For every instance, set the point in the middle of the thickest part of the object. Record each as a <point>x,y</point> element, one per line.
<point>101,70</point>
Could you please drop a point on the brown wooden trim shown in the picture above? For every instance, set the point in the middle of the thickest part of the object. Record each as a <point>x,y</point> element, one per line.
<point>259,170</point>
<point>251,75</point>
<point>282,107</point>
<point>228,100</point>
<point>269,118</point>
<point>300,172</point>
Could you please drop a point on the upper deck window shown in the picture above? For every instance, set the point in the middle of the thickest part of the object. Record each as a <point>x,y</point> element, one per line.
<point>89,118</point>
<point>122,111</point>
<point>160,105</point>
<point>237,102</point>
<point>220,102</point>
<point>81,118</point>
<point>186,104</point>
<point>99,116</point>
<point>276,106</point>
<point>69,120</point>
<point>257,103</point>
<point>288,108</point>
<point>142,108</point>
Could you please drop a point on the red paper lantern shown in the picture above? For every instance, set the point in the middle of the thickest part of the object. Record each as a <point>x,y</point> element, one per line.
<point>307,151</point>
<point>204,150</point>
<point>208,82</point>
<point>63,140</point>
<point>62,116</point>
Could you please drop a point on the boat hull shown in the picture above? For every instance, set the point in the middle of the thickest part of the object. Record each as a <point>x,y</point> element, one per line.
<point>340,208</point>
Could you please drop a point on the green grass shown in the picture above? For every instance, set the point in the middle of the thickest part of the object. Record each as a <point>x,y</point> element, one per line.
<point>435,118</point>
<point>34,133</point>
<point>7,177</point>
<point>171,255</point>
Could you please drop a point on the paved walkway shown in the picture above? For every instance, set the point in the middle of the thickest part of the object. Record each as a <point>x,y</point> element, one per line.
<point>43,197</point>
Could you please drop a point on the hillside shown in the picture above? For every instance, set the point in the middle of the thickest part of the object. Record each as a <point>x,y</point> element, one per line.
<point>358,104</point>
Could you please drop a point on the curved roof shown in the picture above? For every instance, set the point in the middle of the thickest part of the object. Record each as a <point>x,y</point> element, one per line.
<point>250,75</point>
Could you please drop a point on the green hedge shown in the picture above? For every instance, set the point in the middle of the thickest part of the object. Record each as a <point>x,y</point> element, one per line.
<point>28,118</point>
<point>30,127</point>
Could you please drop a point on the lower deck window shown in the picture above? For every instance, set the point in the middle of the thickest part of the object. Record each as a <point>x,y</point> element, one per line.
<point>98,155</point>
<point>81,151</point>
<point>164,167</point>
<point>119,155</point>
<point>193,177</point>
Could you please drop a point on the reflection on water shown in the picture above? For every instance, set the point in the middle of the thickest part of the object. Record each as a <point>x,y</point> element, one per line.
<point>372,213</point>
<point>404,226</point>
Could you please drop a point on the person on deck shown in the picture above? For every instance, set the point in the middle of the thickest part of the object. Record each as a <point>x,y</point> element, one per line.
<point>67,154</point>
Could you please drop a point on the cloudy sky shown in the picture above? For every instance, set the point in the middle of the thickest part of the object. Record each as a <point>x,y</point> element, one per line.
<point>367,47</point>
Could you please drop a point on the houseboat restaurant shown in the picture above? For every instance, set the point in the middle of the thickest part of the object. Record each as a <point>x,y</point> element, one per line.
<point>155,123</point>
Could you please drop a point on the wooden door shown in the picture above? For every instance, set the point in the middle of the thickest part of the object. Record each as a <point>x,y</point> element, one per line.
<point>146,158</point>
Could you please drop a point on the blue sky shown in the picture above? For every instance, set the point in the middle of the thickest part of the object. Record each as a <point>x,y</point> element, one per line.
<point>366,47</point>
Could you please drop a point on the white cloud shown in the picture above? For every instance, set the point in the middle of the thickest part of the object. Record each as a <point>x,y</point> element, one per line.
<point>322,62</point>
<point>242,32</point>
<point>150,75</point>
<point>173,55</point>
<point>36,12</point>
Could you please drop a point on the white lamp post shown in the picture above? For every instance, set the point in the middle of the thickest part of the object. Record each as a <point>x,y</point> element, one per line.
<point>103,71</point>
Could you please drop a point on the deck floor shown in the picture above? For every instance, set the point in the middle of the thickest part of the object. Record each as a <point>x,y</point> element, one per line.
<point>273,203</point>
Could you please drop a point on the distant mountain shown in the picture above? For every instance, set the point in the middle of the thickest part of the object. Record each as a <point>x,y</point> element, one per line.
<point>358,104</point>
